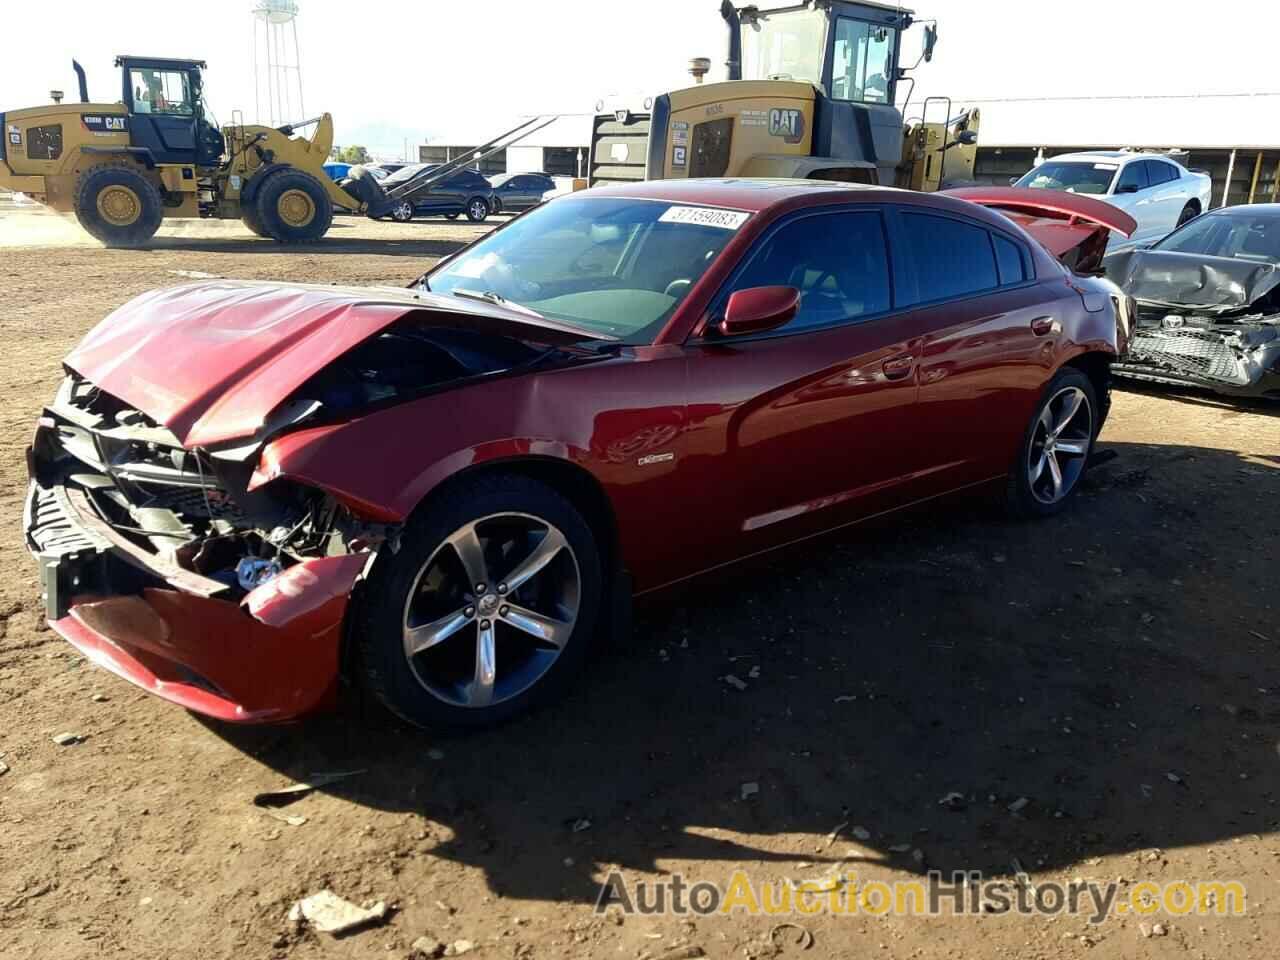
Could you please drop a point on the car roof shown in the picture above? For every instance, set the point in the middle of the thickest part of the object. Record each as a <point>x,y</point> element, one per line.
<point>740,193</point>
<point>1117,156</point>
<point>1248,209</point>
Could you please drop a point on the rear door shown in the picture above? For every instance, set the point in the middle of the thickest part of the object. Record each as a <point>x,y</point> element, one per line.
<point>986,326</point>
<point>1133,194</point>
<point>1168,195</point>
<point>808,426</point>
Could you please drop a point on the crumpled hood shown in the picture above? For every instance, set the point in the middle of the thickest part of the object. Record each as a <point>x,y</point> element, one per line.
<point>211,360</point>
<point>1210,284</point>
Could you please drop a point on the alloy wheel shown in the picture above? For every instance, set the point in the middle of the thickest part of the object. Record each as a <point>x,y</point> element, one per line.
<point>1060,445</point>
<point>492,609</point>
<point>479,210</point>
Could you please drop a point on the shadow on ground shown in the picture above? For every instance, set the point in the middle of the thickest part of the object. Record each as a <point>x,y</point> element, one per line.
<point>1116,666</point>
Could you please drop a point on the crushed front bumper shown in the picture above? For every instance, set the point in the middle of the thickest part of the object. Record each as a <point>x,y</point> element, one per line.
<point>1241,360</point>
<point>271,655</point>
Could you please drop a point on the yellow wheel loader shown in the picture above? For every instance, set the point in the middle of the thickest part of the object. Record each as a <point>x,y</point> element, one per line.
<point>812,93</point>
<point>123,167</point>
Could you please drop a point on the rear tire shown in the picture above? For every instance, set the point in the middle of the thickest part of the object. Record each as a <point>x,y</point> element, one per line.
<point>422,596</point>
<point>1055,449</point>
<point>293,207</point>
<point>403,213</point>
<point>1189,213</point>
<point>477,209</point>
<point>118,205</point>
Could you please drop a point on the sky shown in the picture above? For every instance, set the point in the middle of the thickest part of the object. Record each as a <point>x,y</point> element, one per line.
<point>415,71</point>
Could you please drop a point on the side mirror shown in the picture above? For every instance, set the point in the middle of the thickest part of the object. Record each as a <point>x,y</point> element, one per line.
<point>930,41</point>
<point>1127,188</point>
<point>1013,181</point>
<point>759,309</point>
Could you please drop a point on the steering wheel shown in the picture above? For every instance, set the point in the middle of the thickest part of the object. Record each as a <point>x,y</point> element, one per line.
<point>677,288</point>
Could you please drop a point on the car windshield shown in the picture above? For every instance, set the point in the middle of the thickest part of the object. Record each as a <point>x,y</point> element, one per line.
<point>1235,235</point>
<point>1073,176</point>
<point>404,173</point>
<point>609,266</point>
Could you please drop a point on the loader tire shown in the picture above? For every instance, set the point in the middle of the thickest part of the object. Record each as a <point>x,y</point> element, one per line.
<point>118,205</point>
<point>249,217</point>
<point>293,207</point>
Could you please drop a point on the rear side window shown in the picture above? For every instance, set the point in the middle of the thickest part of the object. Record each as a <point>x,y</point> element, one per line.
<point>1009,260</point>
<point>838,261</point>
<point>1160,172</point>
<point>951,258</point>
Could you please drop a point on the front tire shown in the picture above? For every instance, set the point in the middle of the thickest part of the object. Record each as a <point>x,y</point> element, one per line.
<point>487,608</point>
<point>118,205</point>
<point>477,209</point>
<point>1056,446</point>
<point>293,207</point>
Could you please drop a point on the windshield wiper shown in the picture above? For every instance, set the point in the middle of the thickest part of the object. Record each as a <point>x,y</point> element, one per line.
<point>489,296</point>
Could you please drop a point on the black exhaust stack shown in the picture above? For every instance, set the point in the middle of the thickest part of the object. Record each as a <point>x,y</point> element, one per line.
<point>84,84</point>
<point>731,20</point>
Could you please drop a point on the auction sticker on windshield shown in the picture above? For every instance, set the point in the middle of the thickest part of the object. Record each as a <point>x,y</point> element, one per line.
<point>705,217</point>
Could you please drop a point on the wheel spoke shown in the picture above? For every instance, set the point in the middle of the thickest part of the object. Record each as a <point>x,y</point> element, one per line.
<point>1039,471</point>
<point>1046,420</point>
<point>480,693</point>
<point>543,554</point>
<point>547,629</point>
<point>1069,411</point>
<point>426,636</point>
<point>1055,473</point>
<point>466,543</point>
<point>1076,448</point>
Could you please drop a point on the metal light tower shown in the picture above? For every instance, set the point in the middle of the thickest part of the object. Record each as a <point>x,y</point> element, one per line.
<point>277,68</point>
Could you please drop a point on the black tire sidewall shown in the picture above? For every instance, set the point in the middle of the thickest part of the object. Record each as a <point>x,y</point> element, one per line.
<point>1022,502</point>
<point>86,205</point>
<point>379,621</point>
<point>267,211</point>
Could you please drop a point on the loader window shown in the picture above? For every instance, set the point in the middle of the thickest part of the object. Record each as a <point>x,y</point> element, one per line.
<point>161,91</point>
<point>863,61</point>
<point>785,45</point>
<point>44,143</point>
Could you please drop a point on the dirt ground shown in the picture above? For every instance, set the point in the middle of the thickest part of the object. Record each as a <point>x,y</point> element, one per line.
<point>1118,668</point>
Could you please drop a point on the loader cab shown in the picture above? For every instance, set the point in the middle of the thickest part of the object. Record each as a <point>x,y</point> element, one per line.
<point>166,111</point>
<point>848,50</point>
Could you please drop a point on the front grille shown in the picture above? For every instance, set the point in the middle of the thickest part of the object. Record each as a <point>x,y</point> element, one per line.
<point>1189,351</point>
<point>50,529</point>
<point>619,149</point>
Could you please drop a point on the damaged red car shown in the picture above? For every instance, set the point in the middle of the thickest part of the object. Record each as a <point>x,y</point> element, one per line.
<point>244,492</point>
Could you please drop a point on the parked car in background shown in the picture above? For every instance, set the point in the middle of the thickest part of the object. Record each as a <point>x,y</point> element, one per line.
<point>1208,303</point>
<point>461,192</point>
<point>446,490</point>
<point>388,168</point>
<point>514,192</point>
<point>1157,191</point>
<point>337,171</point>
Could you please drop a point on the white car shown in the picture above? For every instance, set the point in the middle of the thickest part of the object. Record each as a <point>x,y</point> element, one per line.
<point>1160,193</point>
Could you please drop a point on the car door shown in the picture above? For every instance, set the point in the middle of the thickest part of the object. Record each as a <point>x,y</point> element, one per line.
<point>1168,195</point>
<point>1132,193</point>
<point>808,426</point>
<point>986,326</point>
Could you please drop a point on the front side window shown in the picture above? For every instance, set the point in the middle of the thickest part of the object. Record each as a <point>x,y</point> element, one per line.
<point>786,45</point>
<point>162,91</point>
<point>1073,176</point>
<point>616,267</point>
<point>863,61</point>
<point>951,258</point>
<point>838,261</point>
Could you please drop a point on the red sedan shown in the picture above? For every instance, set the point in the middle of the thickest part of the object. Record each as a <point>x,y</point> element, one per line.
<point>243,490</point>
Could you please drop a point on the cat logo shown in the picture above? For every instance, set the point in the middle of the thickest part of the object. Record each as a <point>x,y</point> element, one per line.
<point>787,124</point>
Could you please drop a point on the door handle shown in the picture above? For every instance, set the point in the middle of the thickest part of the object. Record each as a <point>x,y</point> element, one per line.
<point>1041,326</point>
<point>895,368</point>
